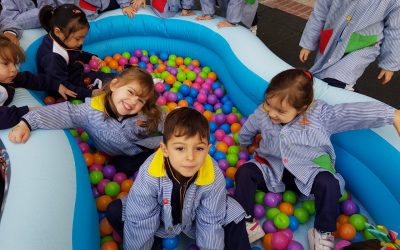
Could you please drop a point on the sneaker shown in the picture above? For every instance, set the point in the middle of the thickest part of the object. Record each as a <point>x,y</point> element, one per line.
<point>320,241</point>
<point>254,29</point>
<point>254,230</point>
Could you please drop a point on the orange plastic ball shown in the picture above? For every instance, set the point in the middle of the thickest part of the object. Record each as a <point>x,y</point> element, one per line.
<point>235,127</point>
<point>117,57</point>
<point>121,195</point>
<point>170,79</point>
<point>107,59</point>
<point>187,82</point>
<point>179,61</point>
<point>113,64</point>
<point>187,70</point>
<point>347,231</point>
<point>119,68</point>
<point>230,172</point>
<point>126,185</point>
<point>341,219</point>
<point>105,227</point>
<point>89,159</point>
<point>286,208</point>
<point>267,241</point>
<point>212,75</point>
<point>183,103</point>
<point>161,68</point>
<point>182,67</point>
<point>195,63</point>
<point>49,100</point>
<point>109,245</point>
<point>102,202</point>
<point>207,114</point>
<point>221,146</point>
<point>99,158</point>
<point>102,64</point>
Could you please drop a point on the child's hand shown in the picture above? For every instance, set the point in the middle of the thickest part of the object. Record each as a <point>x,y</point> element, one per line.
<point>396,121</point>
<point>138,3</point>
<point>223,24</point>
<point>304,54</point>
<point>33,108</point>
<point>20,133</point>
<point>187,13</point>
<point>130,11</point>
<point>385,76</point>
<point>204,17</point>
<point>13,38</point>
<point>64,92</point>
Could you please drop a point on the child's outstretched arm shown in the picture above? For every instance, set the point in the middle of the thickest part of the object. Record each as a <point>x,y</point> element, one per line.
<point>20,133</point>
<point>138,3</point>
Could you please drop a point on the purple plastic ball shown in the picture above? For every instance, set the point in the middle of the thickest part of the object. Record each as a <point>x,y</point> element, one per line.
<point>120,177</point>
<point>220,119</point>
<point>242,121</point>
<point>109,171</point>
<point>259,211</point>
<point>78,140</point>
<point>349,207</point>
<point>173,71</point>
<point>269,227</point>
<point>272,199</point>
<point>172,96</point>
<point>219,92</point>
<point>84,147</point>
<point>95,192</point>
<point>144,59</point>
<point>223,164</point>
<point>201,98</point>
<point>243,155</point>
<point>231,191</point>
<point>190,66</point>
<point>212,99</point>
<point>102,185</point>
<point>217,106</point>
<point>295,245</point>
<point>133,60</point>
<point>137,52</point>
<point>86,68</point>
<point>95,166</point>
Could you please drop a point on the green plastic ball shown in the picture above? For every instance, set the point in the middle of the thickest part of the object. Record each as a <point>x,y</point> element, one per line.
<point>236,137</point>
<point>187,61</point>
<point>173,89</point>
<point>206,69</point>
<point>344,196</point>
<point>164,74</point>
<point>234,110</point>
<point>271,212</point>
<point>112,189</point>
<point>105,239</point>
<point>289,196</point>
<point>172,57</point>
<point>145,53</point>
<point>218,111</point>
<point>95,177</point>
<point>76,101</point>
<point>281,221</point>
<point>84,136</point>
<point>105,69</point>
<point>309,205</point>
<point>126,55</point>
<point>301,214</point>
<point>153,59</point>
<point>358,221</point>
<point>203,75</point>
<point>164,108</point>
<point>191,75</point>
<point>259,197</point>
<point>73,132</point>
<point>232,159</point>
<point>181,76</point>
<point>177,84</point>
<point>171,63</point>
<point>233,150</point>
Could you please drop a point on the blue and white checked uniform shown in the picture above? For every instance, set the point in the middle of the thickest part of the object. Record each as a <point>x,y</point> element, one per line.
<point>100,6</point>
<point>371,17</point>
<point>24,14</point>
<point>231,9</point>
<point>108,135</point>
<point>206,209</point>
<point>295,146</point>
<point>7,25</point>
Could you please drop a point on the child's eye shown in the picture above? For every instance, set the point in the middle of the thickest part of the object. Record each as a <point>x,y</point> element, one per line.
<point>200,149</point>
<point>179,149</point>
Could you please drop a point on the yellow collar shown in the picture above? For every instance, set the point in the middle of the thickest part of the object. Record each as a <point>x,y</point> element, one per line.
<point>98,102</point>
<point>205,175</point>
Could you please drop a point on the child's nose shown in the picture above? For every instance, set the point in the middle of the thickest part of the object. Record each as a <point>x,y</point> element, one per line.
<point>13,68</point>
<point>190,154</point>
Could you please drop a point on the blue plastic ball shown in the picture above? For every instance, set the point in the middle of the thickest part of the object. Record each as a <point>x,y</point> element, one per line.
<point>170,243</point>
<point>193,92</point>
<point>166,87</point>
<point>212,139</point>
<point>190,100</point>
<point>212,150</point>
<point>208,107</point>
<point>213,127</point>
<point>163,56</point>
<point>228,183</point>
<point>358,237</point>
<point>215,85</point>
<point>225,99</point>
<point>179,96</point>
<point>226,128</point>
<point>184,89</point>
<point>293,223</point>
<point>142,65</point>
<point>219,156</point>
<point>226,108</point>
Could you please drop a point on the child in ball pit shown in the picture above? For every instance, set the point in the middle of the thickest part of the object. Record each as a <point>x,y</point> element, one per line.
<point>180,189</point>
<point>295,147</point>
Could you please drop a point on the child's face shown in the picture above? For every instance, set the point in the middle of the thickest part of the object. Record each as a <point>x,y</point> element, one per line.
<point>186,154</point>
<point>8,71</point>
<point>279,111</point>
<point>75,40</point>
<point>127,98</point>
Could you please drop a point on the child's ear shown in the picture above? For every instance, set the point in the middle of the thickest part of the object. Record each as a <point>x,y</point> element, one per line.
<point>113,84</point>
<point>208,148</point>
<point>59,33</point>
<point>164,149</point>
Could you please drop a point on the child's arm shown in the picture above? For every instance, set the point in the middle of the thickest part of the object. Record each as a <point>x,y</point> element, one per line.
<point>10,116</point>
<point>142,213</point>
<point>311,34</point>
<point>250,128</point>
<point>358,115</point>
<point>58,116</point>
<point>389,58</point>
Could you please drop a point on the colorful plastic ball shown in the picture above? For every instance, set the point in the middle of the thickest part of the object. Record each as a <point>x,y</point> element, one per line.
<point>102,185</point>
<point>349,207</point>
<point>161,101</point>
<point>102,202</point>
<point>226,108</point>
<point>289,196</point>
<point>212,139</point>
<point>112,189</point>
<point>142,65</point>
<point>84,136</point>
<point>358,237</point>
<point>120,177</point>
<point>99,158</point>
<point>231,118</point>
<point>116,237</point>
<point>109,171</point>
<point>95,192</point>
<point>347,231</point>
<point>219,134</point>
<point>341,244</point>
<point>172,97</point>
<point>281,221</point>
<point>170,243</point>
<point>94,64</point>
<point>164,56</point>
<point>201,98</point>
<point>122,61</point>
<point>223,164</point>
<point>229,141</point>
<point>269,227</point>
<point>259,197</point>
<point>159,87</point>
<point>232,159</point>
<point>271,213</point>
<point>189,99</point>
<point>220,119</point>
<point>137,52</point>
<point>309,205</point>
<point>86,68</point>
<point>95,166</point>
<point>228,183</point>
<point>105,69</point>
<point>294,245</point>
<point>344,196</point>
<point>187,61</point>
<point>301,214</point>
<point>243,155</point>
<point>126,55</point>
<point>286,208</point>
<point>212,99</point>
<point>133,60</point>
<point>294,223</point>
<point>267,241</point>
<point>105,227</point>
<point>109,245</point>
<point>105,239</point>
<point>230,172</point>
<point>358,221</point>
<point>219,155</point>
<point>272,199</point>
<point>49,100</point>
<point>226,128</point>
<point>279,241</point>
<point>199,107</point>
<point>84,147</point>
<point>184,89</point>
<point>191,76</point>
<point>288,233</point>
<point>240,163</point>
<point>95,177</point>
<point>213,127</point>
<point>368,235</point>
<point>233,150</point>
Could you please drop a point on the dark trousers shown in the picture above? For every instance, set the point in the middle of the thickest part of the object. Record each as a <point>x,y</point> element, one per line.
<point>235,234</point>
<point>129,164</point>
<point>325,188</point>
<point>335,83</point>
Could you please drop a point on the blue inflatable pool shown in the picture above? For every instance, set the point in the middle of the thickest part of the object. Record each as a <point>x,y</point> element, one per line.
<point>49,203</point>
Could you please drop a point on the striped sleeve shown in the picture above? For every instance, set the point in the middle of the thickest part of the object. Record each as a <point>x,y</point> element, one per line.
<point>358,115</point>
<point>249,129</point>
<point>142,212</point>
<point>389,58</point>
<point>58,116</point>
<point>210,216</point>
<point>311,34</point>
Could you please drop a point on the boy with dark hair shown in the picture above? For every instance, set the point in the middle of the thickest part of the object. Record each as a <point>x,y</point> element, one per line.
<point>180,189</point>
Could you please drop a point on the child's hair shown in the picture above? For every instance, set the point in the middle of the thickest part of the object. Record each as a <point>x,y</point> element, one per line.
<point>293,85</point>
<point>69,18</point>
<point>9,52</point>
<point>186,122</point>
<point>150,108</point>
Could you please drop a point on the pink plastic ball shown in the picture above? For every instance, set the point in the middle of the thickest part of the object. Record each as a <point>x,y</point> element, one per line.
<point>209,81</point>
<point>197,70</point>
<point>133,60</point>
<point>341,244</point>
<point>279,241</point>
<point>172,96</point>
<point>240,163</point>
<point>149,69</point>
<point>196,86</point>
<point>199,108</point>
<point>201,98</point>
<point>84,147</point>
<point>231,118</point>
<point>228,140</point>
<point>223,164</point>
<point>161,101</point>
<point>122,61</point>
<point>159,87</point>
<point>295,245</point>
<point>219,134</point>
<point>288,233</point>
<point>120,177</point>
<point>94,64</point>
<point>116,237</point>
<point>207,86</point>
<point>199,80</point>
<point>102,185</point>
<point>149,65</point>
<point>95,166</point>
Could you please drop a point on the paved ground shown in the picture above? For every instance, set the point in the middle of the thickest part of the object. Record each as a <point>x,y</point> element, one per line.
<point>281,32</point>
